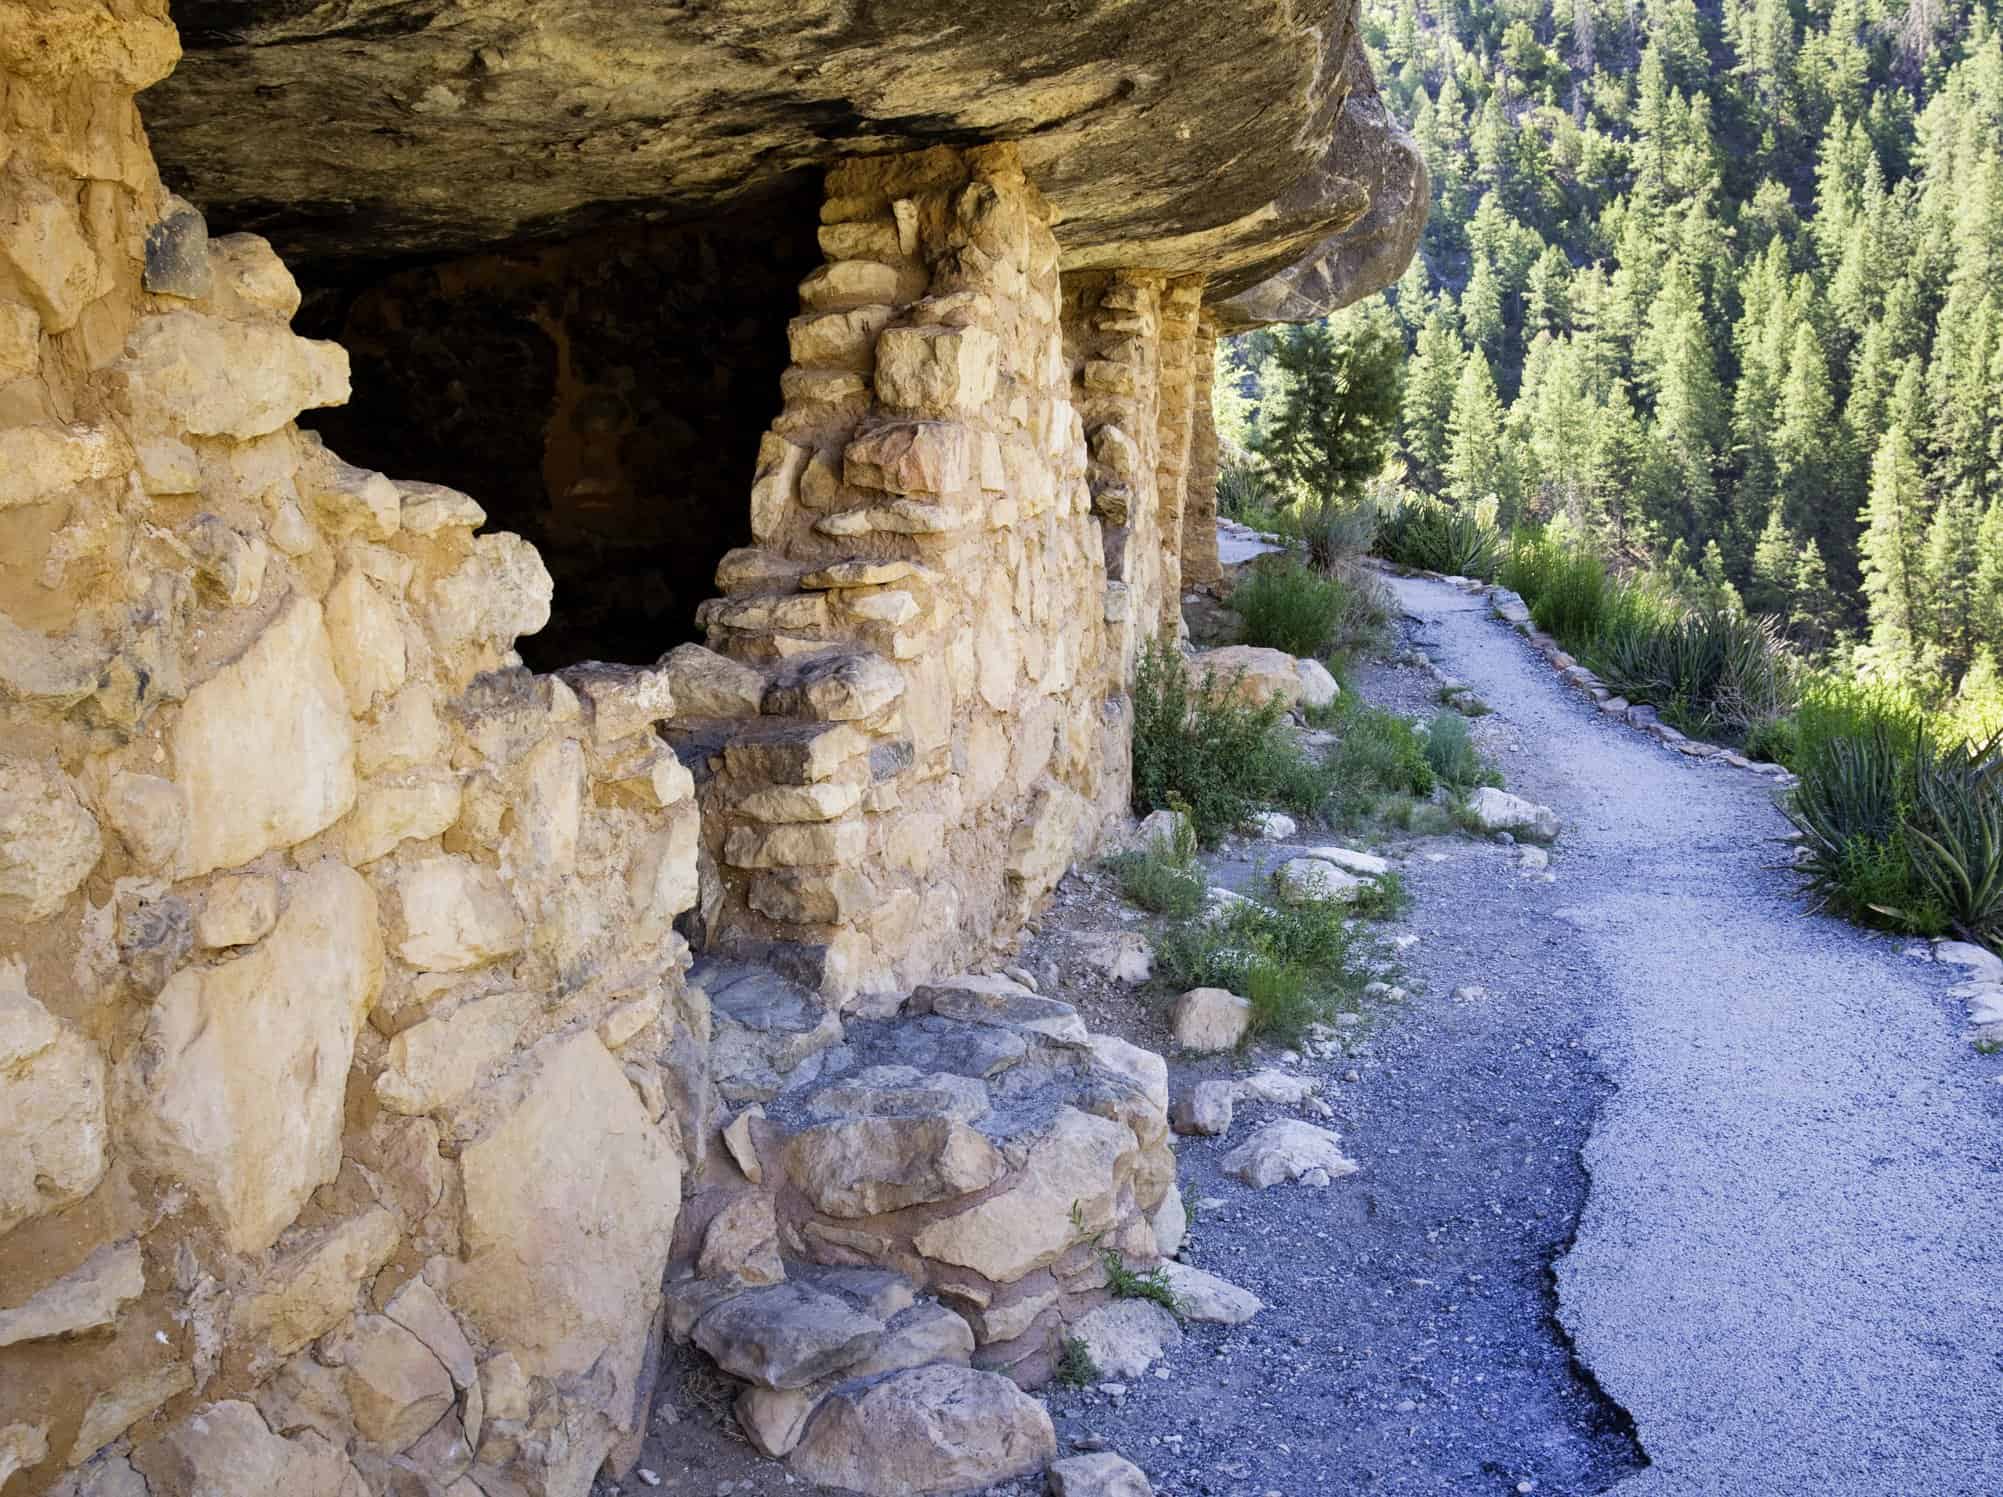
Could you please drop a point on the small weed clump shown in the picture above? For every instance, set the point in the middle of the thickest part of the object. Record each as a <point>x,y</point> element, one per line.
<point>1380,759</point>
<point>1146,1283</point>
<point>1075,1367</point>
<point>1165,878</point>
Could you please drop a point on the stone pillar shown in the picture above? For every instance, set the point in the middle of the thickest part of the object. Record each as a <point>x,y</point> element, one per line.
<point>1176,419</point>
<point>1199,507</point>
<point>917,720</point>
<point>347,1072</point>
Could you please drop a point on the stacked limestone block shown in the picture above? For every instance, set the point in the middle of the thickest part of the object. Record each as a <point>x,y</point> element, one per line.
<point>914,715</point>
<point>1199,507</point>
<point>980,1149</point>
<point>347,1070</point>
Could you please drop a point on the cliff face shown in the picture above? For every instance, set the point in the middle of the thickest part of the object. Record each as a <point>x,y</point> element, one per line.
<point>352,1079</point>
<point>1187,135</point>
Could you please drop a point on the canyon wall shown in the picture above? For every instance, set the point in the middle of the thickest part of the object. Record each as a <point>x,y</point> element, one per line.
<point>356,1093</point>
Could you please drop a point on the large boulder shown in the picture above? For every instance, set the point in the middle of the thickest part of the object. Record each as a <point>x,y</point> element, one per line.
<point>1499,811</point>
<point>1256,675</point>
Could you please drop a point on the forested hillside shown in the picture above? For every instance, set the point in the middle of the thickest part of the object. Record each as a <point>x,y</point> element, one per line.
<point>1719,287</point>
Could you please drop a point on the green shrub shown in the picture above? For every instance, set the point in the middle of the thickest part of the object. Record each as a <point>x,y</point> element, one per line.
<point>1286,606</point>
<point>1295,966</point>
<point>1243,488</point>
<point>1197,747</point>
<point>1331,534</point>
<point>1452,756</point>
<point>1437,537</point>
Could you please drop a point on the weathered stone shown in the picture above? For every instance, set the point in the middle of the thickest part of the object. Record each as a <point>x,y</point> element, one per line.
<point>1364,864</point>
<point>1210,1019</point>
<point>837,340</point>
<point>237,1085</point>
<point>52,1107</point>
<point>263,749</point>
<point>1251,673</point>
<point>822,801</point>
<point>500,592</point>
<point>1064,1193</point>
<point>1041,845</point>
<point>562,1263</point>
<point>44,258</point>
<point>150,816</point>
<point>785,1336</point>
<point>1128,1336</point>
<point>433,1064</point>
<point>1499,811</point>
<point>85,1299</point>
<point>776,1418</point>
<point>367,641</point>
<point>1122,955</point>
<point>419,1311</point>
<point>742,1242</point>
<point>838,687</point>
<point>238,911</point>
<point>982,998</point>
<point>1100,1474</point>
<point>349,500</point>
<point>1205,1297</point>
<point>930,1429</point>
<point>937,370</point>
<point>39,463</point>
<point>48,841</point>
<point>1169,1222</point>
<point>455,914</point>
<point>1287,1149</point>
<point>211,377</point>
<point>796,844</point>
<point>813,896</point>
<point>22,1446</point>
<point>229,563</point>
<point>1313,881</point>
<point>911,457</point>
<point>1275,1087</point>
<point>793,754</point>
<point>863,1166</point>
<point>414,806</point>
<point>312,1288</point>
<point>396,1388</point>
<point>1205,1109</point>
<point>227,1450</point>
<point>431,509</point>
<point>891,1091</point>
<point>738,1139</point>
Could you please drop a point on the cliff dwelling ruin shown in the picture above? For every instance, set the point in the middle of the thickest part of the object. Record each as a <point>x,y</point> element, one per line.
<point>501,501</point>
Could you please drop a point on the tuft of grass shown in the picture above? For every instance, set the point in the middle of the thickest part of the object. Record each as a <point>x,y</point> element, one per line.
<point>1075,1367</point>
<point>1166,877</point>
<point>1453,758</point>
<point>1383,898</point>
<point>1146,1283</point>
<point>1381,756</point>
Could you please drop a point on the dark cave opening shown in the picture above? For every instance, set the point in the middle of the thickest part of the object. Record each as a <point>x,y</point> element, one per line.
<point>602,397</point>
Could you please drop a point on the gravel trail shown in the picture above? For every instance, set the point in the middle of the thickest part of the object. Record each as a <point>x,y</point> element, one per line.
<point>1789,1270</point>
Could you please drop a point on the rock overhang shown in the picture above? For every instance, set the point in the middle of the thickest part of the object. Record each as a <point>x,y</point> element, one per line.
<point>1240,140</point>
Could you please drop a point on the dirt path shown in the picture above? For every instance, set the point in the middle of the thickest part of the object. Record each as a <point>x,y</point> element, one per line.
<point>1789,1271</point>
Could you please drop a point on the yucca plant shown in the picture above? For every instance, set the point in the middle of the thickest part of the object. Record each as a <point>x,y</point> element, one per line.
<point>1955,831</point>
<point>1849,799</point>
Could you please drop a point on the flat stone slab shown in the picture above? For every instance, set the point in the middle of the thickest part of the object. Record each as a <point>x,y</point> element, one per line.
<point>983,999</point>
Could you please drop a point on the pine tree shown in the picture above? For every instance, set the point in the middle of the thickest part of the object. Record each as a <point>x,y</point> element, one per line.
<point>1475,457</point>
<point>1815,615</point>
<point>1431,378</point>
<point>1776,561</point>
<point>1894,565</point>
<point>1343,388</point>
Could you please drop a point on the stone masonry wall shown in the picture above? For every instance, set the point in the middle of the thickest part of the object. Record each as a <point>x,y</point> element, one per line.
<point>347,1069</point>
<point>910,717</point>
